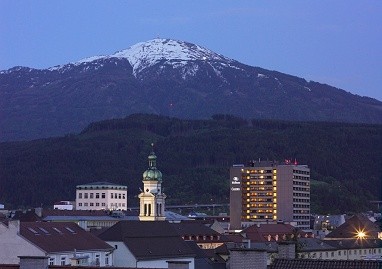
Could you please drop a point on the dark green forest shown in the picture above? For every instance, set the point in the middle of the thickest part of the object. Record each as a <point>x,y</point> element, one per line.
<point>194,157</point>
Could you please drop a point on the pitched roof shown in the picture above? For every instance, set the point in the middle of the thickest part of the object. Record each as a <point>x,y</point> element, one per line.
<point>148,239</point>
<point>192,229</point>
<point>324,264</point>
<point>353,225</point>
<point>260,232</point>
<point>60,236</point>
<point>355,243</point>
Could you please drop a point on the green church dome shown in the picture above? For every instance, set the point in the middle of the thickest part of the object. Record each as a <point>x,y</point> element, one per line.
<point>152,173</point>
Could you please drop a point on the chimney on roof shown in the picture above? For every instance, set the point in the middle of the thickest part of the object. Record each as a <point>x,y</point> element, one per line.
<point>243,258</point>
<point>38,211</point>
<point>286,250</point>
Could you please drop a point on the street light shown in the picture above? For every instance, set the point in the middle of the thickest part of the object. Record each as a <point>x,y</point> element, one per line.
<point>360,234</point>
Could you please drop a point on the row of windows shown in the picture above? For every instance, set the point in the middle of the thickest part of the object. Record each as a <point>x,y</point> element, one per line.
<point>261,194</point>
<point>300,172</point>
<point>300,206</point>
<point>303,223</point>
<point>97,195</point>
<point>301,211</point>
<point>301,177</point>
<point>102,204</point>
<point>300,189</point>
<point>301,194</point>
<point>259,182</point>
<point>303,183</point>
<point>300,200</point>
<point>260,171</point>
<point>261,199</point>
<point>64,260</point>
<point>262,205</point>
<point>251,176</point>
<point>259,217</point>
<point>301,217</point>
<point>344,253</point>
<point>260,188</point>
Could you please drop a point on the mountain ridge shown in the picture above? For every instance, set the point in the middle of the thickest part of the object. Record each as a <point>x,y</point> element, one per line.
<point>181,80</point>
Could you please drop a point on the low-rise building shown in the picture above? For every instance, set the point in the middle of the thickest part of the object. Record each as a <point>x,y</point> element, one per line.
<point>147,244</point>
<point>101,196</point>
<point>63,243</point>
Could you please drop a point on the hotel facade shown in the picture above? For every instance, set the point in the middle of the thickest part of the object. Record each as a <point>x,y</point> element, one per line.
<point>266,192</point>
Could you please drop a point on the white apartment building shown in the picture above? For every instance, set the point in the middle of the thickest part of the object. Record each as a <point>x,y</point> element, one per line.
<point>101,196</point>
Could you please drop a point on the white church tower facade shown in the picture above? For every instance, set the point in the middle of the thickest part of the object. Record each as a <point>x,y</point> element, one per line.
<point>152,199</point>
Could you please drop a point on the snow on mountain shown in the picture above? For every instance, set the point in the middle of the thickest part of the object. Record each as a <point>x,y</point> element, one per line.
<point>145,54</point>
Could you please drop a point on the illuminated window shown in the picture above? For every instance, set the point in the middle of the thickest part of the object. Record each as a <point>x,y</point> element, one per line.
<point>274,205</point>
<point>274,188</point>
<point>274,177</point>
<point>274,171</point>
<point>275,194</point>
<point>275,217</point>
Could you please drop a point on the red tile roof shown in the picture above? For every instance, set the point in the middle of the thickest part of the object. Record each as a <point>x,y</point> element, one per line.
<point>261,232</point>
<point>61,236</point>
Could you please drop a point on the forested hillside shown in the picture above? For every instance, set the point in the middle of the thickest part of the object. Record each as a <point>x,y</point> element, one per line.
<point>194,157</point>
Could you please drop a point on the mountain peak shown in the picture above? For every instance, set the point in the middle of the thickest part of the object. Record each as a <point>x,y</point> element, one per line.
<point>168,51</point>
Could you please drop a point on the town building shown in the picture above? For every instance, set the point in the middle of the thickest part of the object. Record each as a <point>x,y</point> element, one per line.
<point>64,244</point>
<point>64,205</point>
<point>152,199</point>
<point>101,196</point>
<point>147,244</point>
<point>264,192</point>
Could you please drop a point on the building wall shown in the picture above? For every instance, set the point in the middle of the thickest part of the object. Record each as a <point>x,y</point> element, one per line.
<point>94,258</point>
<point>267,192</point>
<point>122,257</point>
<point>13,245</point>
<point>344,254</point>
<point>101,199</point>
<point>162,263</point>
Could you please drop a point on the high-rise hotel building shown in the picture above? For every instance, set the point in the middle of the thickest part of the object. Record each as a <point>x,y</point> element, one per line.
<point>265,192</point>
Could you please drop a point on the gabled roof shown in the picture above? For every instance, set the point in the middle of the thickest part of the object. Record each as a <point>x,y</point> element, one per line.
<point>350,228</point>
<point>261,232</point>
<point>61,237</point>
<point>324,264</point>
<point>148,239</point>
<point>195,228</point>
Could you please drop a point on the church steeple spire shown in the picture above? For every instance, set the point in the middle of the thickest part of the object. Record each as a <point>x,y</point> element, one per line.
<point>152,200</point>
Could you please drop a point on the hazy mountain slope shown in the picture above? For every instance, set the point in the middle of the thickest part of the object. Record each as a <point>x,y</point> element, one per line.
<point>164,77</point>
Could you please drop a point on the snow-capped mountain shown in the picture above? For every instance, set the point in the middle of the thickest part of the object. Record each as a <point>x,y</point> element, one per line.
<point>165,51</point>
<point>167,77</point>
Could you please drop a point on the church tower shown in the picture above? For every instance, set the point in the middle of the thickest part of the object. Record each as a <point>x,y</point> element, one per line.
<point>152,199</point>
